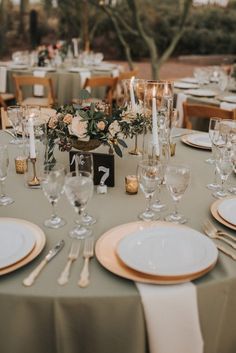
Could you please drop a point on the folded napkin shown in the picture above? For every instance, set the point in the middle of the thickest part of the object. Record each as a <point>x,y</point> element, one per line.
<point>181,98</point>
<point>115,73</point>
<point>3,79</point>
<point>83,77</point>
<point>227,106</point>
<point>39,89</point>
<point>171,314</point>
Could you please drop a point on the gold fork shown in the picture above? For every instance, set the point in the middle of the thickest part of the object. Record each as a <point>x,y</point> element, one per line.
<point>211,231</point>
<point>72,256</point>
<point>87,254</point>
<point>218,231</point>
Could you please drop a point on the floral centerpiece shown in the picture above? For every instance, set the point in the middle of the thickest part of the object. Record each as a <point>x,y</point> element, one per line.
<point>81,126</point>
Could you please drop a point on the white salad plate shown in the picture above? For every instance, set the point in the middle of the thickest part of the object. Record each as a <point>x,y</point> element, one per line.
<point>167,251</point>
<point>227,210</point>
<point>189,80</point>
<point>185,85</point>
<point>228,99</point>
<point>201,92</point>
<point>201,140</point>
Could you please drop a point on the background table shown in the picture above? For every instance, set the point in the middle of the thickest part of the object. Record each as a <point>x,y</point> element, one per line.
<point>66,84</point>
<point>107,316</point>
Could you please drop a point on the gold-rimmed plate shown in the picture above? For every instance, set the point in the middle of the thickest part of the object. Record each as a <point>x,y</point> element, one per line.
<point>216,215</point>
<point>106,252</point>
<point>185,140</point>
<point>40,241</point>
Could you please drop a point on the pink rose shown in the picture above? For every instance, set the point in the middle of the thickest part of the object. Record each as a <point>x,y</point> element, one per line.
<point>101,125</point>
<point>68,119</point>
<point>52,122</point>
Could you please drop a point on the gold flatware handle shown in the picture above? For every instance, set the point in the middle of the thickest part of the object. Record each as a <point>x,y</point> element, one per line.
<point>28,281</point>
<point>225,234</point>
<point>84,276</point>
<point>227,252</point>
<point>64,277</point>
<point>227,241</point>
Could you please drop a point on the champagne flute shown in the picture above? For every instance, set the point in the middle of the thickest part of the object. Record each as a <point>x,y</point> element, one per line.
<point>78,189</point>
<point>84,162</point>
<point>52,183</point>
<point>213,130</point>
<point>4,163</point>
<point>149,173</point>
<point>224,167</point>
<point>177,180</point>
<point>15,115</point>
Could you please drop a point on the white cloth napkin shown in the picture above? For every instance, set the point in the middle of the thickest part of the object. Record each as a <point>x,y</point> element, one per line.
<point>115,73</point>
<point>83,77</point>
<point>3,79</point>
<point>227,106</point>
<point>171,314</point>
<point>39,89</point>
<point>181,98</point>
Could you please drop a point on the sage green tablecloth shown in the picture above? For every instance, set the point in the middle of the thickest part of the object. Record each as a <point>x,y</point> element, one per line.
<point>107,316</point>
<point>67,85</point>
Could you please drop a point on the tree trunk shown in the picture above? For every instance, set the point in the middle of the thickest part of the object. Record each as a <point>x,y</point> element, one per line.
<point>3,25</point>
<point>24,7</point>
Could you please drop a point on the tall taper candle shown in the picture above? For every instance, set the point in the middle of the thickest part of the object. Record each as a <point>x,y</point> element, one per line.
<point>154,122</point>
<point>132,99</point>
<point>31,138</point>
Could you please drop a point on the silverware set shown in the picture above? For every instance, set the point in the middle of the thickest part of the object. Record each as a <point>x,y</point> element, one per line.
<point>88,253</point>
<point>226,238</point>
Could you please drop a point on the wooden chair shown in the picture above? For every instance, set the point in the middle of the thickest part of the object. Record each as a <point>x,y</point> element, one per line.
<point>5,123</point>
<point>22,82</point>
<point>204,112</point>
<point>109,83</point>
<point>127,75</point>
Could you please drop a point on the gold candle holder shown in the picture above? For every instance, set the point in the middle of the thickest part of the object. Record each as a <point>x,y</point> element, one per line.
<point>21,164</point>
<point>135,151</point>
<point>34,182</point>
<point>131,184</point>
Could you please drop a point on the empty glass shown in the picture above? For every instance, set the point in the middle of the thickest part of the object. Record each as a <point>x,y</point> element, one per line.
<point>79,189</point>
<point>149,173</point>
<point>177,180</point>
<point>213,130</point>
<point>4,163</point>
<point>52,183</point>
<point>15,114</point>
<point>84,162</point>
<point>224,167</point>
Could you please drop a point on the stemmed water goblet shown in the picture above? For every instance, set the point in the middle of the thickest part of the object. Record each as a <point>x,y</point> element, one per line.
<point>232,189</point>
<point>177,179</point>
<point>79,189</point>
<point>214,131</point>
<point>224,167</point>
<point>52,182</point>
<point>4,163</point>
<point>149,173</point>
<point>84,162</point>
<point>15,115</point>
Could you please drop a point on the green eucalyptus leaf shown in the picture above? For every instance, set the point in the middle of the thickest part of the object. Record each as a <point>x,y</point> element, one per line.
<point>122,143</point>
<point>117,150</point>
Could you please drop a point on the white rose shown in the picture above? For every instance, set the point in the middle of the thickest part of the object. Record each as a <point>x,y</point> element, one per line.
<point>114,128</point>
<point>79,127</point>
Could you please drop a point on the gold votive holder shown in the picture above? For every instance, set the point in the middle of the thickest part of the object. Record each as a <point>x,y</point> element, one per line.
<point>172,148</point>
<point>21,164</point>
<point>131,184</point>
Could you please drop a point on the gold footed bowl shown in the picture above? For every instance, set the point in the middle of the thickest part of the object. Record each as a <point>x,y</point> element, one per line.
<point>86,145</point>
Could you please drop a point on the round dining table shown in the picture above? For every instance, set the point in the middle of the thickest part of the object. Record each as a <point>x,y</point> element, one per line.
<point>107,316</point>
<point>67,82</point>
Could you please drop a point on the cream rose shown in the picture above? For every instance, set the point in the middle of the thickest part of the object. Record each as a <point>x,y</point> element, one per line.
<point>52,122</point>
<point>114,128</point>
<point>79,127</point>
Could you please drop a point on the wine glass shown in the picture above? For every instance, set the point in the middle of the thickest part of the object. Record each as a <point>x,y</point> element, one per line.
<point>177,179</point>
<point>52,183</point>
<point>232,189</point>
<point>4,162</point>
<point>15,115</point>
<point>213,130</point>
<point>224,167</point>
<point>84,162</point>
<point>79,189</point>
<point>149,173</point>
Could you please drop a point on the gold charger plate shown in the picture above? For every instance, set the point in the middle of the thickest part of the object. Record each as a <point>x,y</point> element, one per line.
<point>184,139</point>
<point>105,250</point>
<point>39,245</point>
<point>216,215</point>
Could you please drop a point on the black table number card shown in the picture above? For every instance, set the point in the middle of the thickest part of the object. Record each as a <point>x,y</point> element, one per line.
<point>103,165</point>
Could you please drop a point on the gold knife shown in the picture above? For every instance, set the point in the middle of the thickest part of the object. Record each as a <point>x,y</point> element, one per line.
<point>28,281</point>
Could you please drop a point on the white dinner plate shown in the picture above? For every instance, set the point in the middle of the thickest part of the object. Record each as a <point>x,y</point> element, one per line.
<point>227,210</point>
<point>16,241</point>
<point>229,99</point>
<point>44,68</point>
<point>202,140</point>
<point>78,69</point>
<point>189,80</point>
<point>185,85</point>
<point>201,92</point>
<point>167,251</point>
<point>18,67</point>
